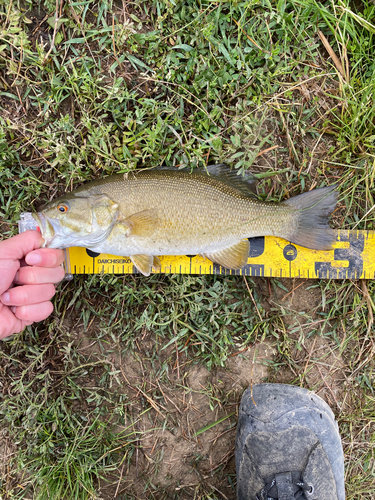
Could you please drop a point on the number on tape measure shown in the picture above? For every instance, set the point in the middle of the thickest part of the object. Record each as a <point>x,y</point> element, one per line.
<point>352,258</point>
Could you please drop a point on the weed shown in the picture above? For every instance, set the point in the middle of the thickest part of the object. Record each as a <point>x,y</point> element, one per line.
<point>91,396</point>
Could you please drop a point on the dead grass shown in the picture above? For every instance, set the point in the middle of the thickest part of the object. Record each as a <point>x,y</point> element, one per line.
<point>130,390</point>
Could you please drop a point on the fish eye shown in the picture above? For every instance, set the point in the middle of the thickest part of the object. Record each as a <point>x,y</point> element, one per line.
<point>62,208</point>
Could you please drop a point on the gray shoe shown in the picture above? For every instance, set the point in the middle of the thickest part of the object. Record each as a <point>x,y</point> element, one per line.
<point>288,446</point>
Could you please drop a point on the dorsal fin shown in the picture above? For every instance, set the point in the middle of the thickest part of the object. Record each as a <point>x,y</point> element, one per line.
<point>246,184</point>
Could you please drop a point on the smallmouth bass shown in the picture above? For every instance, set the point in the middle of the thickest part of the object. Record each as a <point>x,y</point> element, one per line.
<point>165,211</point>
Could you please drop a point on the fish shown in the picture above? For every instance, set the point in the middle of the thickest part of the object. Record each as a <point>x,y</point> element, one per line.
<point>211,211</point>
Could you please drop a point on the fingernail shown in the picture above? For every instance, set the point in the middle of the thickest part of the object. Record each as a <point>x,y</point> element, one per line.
<point>33,259</point>
<point>13,309</point>
<point>5,298</point>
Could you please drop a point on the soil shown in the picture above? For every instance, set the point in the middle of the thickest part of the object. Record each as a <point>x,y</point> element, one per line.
<point>317,359</point>
<point>185,415</point>
<point>174,452</point>
<point>187,436</point>
<point>186,418</point>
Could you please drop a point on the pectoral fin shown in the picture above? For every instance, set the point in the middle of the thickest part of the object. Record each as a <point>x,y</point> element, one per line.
<point>140,224</point>
<point>145,263</point>
<point>233,257</point>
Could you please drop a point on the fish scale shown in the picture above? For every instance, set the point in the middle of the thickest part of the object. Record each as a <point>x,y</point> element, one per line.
<point>149,213</point>
<point>352,257</point>
<point>195,215</point>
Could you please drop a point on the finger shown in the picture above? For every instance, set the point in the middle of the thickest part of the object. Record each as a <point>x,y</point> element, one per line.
<point>9,324</point>
<point>18,246</point>
<point>28,294</point>
<point>45,257</point>
<point>12,252</point>
<point>31,275</point>
<point>17,327</point>
<point>34,312</point>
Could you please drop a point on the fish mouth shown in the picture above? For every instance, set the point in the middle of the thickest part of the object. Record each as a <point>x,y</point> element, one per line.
<point>54,237</point>
<point>47,226</point>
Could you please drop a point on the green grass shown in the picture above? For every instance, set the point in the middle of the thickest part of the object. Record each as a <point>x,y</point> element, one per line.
<point>124,85</point>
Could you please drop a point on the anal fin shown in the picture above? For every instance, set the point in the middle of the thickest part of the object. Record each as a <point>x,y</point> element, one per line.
<point>233,257</point>
<point>145,263</point>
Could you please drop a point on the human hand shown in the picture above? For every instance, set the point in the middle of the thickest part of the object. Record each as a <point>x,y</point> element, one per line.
<point>33,270</point>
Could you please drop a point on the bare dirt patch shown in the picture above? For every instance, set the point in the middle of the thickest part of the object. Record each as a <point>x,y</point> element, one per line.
<point>313,353</point>
<point>185,419</point>
<point>7,450</point>
<point>185,415</point>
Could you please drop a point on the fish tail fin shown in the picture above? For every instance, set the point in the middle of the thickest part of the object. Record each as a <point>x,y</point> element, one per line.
<point>313,209</point>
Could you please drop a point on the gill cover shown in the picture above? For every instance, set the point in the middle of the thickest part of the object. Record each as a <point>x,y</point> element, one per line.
<point>77,220</point>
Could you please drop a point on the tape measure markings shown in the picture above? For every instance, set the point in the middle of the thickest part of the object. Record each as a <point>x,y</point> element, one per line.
<point>353,257</point>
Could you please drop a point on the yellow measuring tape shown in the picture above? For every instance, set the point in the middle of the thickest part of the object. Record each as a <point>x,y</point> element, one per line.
<point>353,257</point>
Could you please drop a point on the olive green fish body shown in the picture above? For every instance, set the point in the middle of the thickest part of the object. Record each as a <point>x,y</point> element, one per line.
<point>172,212</point>
<point>194,214</point>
